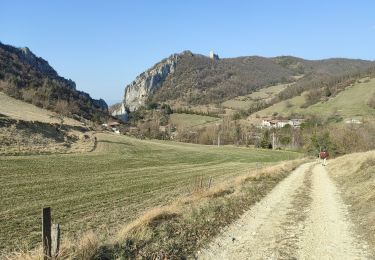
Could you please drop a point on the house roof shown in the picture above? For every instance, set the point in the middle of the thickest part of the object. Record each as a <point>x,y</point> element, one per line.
<point>113,123</point>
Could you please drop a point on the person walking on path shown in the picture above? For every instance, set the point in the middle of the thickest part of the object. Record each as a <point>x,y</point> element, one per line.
<point>323,155</point>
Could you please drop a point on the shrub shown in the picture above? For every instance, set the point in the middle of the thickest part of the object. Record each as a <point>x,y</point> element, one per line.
<point>236,116</point>
<point>327,92</point>
<point>27,95</point>
<point>152,105</point>
<point>12,90</point>
<point>371,102</point>
<point>312,97</point>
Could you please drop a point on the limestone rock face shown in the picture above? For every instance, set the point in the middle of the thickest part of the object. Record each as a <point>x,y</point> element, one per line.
<point>121,110</point>
<point>137,92</point>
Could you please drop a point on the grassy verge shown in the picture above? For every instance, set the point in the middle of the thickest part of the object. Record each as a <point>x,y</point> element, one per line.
<point>355,174</point>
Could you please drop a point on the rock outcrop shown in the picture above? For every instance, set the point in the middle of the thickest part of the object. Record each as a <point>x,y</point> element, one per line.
<point>137,92</point>
<point>118,110</point>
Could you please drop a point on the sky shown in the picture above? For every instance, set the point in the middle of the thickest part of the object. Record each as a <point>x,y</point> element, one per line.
<point>104,45</point>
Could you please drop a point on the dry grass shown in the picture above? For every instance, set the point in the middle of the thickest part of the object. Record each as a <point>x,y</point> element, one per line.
<point>84,247</point>
<point>27,129</point>
<point>152,215</point>
<point>21,110</point>
<point>355,174</point>
<point>36,254</point>
<point>87,245</point>
<point>19,137</point>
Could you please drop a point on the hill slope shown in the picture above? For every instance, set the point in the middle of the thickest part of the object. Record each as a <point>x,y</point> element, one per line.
<point>26,76</point>
<point>350,103</point>
<point>28,129</point>
<point>196,79</point>
<point>20,110</point>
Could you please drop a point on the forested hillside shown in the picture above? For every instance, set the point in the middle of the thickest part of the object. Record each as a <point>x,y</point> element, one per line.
<point>30,78</point>
<point>197,79</point>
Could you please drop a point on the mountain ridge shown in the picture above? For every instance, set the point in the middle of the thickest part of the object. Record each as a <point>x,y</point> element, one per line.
<point>198,79</point>
<point>25,76</point>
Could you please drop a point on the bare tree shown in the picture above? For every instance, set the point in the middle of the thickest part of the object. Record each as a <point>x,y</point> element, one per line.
<point>16,135</point>
<point>64,109</point>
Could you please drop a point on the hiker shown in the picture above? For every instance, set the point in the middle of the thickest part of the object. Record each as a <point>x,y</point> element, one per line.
<point>323,155</point>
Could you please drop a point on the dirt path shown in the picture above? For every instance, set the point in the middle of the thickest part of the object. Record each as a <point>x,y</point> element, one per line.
<point>302,218</point>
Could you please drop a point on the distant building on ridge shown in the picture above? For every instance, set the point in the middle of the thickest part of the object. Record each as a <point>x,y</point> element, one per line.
<point>213,56</point>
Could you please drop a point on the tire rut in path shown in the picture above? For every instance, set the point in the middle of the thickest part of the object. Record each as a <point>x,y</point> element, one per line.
<point>329,233</point>
<point>258,233</point>
<point>303,217</point>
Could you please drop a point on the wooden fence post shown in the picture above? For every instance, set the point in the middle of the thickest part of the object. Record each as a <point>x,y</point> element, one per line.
<point>46,233</point>
<point>55,240</point>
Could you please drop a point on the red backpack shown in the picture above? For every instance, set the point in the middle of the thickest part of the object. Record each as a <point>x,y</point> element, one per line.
<point>323,155</point>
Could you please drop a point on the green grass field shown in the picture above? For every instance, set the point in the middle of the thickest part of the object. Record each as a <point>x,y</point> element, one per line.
<point>191,120</point>
<point>107,188</point>
<point>350,103</point>
<point>284,108</point>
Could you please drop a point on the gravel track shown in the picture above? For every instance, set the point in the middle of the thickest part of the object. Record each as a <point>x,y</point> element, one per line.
<point>303,217</point>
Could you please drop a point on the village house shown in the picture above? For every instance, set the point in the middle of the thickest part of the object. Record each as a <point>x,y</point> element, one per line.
<point>268,123</point>
<point>353,121</point>
<point>274,123</point>
<point>296,122</point>
<point>282,123</point>
<point>113,125</point>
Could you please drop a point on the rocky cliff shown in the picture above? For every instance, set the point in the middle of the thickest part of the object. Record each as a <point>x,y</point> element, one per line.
<point>137,93</point>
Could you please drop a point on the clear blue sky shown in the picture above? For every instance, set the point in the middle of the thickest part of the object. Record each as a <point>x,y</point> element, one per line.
<point>104,45</point>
